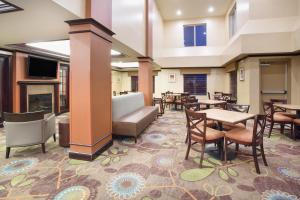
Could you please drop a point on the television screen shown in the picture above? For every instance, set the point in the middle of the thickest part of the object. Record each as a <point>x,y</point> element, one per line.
<point>42,68</point>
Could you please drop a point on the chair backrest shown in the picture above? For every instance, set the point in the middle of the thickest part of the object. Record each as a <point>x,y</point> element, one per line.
<point>126,104</point>
<point>259,129</point>
<point>192,99</point>
<point>238,108</point>
<point>208,95</point>
<point>192,106</point>
<point>279,101</point>
<point>268,109</point>
<point>193,123</point>
<point>23,117</point>
<point>114,93</point>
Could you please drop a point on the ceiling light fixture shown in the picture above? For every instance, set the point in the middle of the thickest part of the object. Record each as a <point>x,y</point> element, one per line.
<point>125,64</point>
<point>178,12</point>
<point>211,9</point>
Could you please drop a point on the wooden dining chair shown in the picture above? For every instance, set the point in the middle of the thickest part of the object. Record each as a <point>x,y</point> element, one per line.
<point>236,108</point>
<point>273,119</point>
<point>253,138</point>
<point>199,132</point>
<point>282,111</point>
<point>192,99</point>
<point>159,102</point>
<point>182,100</point>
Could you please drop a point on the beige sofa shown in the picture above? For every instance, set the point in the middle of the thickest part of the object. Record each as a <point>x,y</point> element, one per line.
<point>130,116</point>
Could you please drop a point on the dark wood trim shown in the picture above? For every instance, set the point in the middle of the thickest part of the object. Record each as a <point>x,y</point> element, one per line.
<point>6,82</point>
<point>23,98</point>
<point>90,21</point>
<point>38,82</point>
<point>89,31</point>
<point>56,98</point>
<point>90,157</point>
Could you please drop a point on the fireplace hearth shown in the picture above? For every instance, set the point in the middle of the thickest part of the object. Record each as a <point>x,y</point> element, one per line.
<point>39,102</point>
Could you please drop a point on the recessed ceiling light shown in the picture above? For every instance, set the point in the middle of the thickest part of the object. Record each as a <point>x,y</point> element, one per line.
<point>178,12</point>
<point>211,9</point>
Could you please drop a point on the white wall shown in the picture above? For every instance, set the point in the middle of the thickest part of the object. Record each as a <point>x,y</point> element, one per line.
<point>158,32</point>
<point>128,22</point>
<point>77,7</point>
<point>173,31</point>
<point>260,9</point>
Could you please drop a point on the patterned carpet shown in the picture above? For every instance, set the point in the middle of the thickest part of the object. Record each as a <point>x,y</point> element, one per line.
<point>154,168</point>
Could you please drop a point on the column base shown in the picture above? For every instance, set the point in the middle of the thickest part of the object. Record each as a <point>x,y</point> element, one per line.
<point>90,157</point>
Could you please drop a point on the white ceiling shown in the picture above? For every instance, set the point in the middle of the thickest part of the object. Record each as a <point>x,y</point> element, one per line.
<point>192,8</point>
<point>41,20</point>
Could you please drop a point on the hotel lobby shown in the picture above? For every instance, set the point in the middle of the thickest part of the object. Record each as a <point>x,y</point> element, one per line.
<point>150,99</point>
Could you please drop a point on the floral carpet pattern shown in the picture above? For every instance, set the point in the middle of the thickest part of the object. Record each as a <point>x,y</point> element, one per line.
<point>152,169</point>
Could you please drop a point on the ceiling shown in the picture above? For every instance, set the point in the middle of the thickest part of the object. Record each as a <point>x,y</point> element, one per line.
<point>38,21</point>
<point>192,8</point>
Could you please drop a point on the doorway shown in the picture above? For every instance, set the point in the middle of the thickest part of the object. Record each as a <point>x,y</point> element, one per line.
<point>5,86</point>
<point>274,81</point>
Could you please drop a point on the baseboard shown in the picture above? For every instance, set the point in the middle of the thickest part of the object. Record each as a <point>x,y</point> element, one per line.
<point>90,157</point>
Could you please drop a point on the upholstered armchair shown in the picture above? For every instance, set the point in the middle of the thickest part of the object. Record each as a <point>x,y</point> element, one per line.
<point>26,129</point>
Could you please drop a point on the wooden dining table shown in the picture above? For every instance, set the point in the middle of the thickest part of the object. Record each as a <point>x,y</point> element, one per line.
<point>209,102</point>
<point>222,116</point>
<point>295,108</point>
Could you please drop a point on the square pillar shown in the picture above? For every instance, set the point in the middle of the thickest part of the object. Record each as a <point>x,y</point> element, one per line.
<point>90,89</point>
<point>145,78</point>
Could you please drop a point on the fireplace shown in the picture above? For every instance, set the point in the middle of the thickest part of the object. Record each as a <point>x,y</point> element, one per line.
<point>39,95</point>
<point>39,102</point>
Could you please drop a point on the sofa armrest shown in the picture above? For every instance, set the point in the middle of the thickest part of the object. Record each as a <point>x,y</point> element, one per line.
<point>49,126</point>
<point>23,133</point>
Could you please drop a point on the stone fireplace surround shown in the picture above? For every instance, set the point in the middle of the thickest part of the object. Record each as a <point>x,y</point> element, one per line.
<point>39,88</point>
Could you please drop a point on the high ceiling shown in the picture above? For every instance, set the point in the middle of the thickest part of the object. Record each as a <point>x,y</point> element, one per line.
<point>40,20</point>
<point>192,8</point>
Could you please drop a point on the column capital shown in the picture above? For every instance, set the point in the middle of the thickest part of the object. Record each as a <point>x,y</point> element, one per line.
<point>145,59</point>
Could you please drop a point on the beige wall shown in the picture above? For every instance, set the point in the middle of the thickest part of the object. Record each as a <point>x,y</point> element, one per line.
<point>260,9</point>
<point>158,32</point>
<point>128,22</point>
<point>249,90</point>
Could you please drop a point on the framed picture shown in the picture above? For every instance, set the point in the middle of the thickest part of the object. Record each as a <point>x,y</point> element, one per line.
<point>242,74</point>
<point>172,78</point>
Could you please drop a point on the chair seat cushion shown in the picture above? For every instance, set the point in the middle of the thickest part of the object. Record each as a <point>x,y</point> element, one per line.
<point>178,101</point>
<point>211,135</point>
<point>297,122</point>
<point>230,126</point>
<point>282,118</point>
<point>291,115</point>
<point>240,135</point>
<point>169,100</point>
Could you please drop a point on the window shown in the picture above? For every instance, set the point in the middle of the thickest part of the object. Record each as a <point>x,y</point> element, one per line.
<point>195,84</point>
<point>64,88</point>
<point>194,35</point>
<point>135,84</point>
<point>232,22</point>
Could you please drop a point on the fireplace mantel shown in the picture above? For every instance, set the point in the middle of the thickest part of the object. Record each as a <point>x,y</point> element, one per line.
<point>24,93</point>
<point>32,82</point>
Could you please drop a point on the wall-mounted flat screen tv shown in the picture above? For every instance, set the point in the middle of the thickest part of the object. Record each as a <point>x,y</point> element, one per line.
<point>42,68</point>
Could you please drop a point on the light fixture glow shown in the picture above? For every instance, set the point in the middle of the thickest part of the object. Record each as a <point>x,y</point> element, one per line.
<point>211,9</point>
<point>61,46</point>
<point>125,65</point>
<point>178,12</point>
<point>115,53</point>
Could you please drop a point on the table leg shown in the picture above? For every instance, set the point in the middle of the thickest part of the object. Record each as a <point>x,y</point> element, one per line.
<point>207,106</point>
<point>297,128</point>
